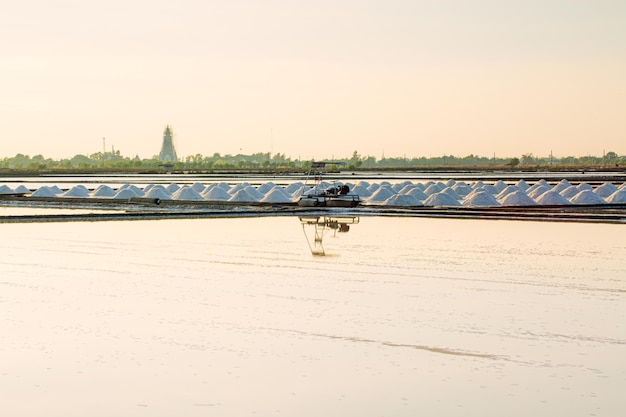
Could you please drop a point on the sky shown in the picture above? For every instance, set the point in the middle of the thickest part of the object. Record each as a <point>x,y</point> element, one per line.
<point>313,79</point>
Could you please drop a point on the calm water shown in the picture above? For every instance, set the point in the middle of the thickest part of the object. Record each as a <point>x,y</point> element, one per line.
<point>221,317</point>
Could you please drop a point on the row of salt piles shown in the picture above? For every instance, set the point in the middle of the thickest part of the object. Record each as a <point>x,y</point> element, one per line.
<point>243,192</point>
<point>479,194</point>
<point>450,193</point>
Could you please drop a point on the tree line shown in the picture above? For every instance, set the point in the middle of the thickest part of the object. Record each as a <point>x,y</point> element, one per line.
<point>267,161</point>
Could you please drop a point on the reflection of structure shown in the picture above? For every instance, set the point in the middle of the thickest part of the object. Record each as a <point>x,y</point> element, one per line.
<point>320,226</point>
<point>168,153</point>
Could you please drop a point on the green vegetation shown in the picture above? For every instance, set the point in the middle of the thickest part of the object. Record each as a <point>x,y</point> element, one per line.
<point>115,162</point>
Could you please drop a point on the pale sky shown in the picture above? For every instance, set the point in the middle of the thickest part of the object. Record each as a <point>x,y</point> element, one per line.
<point>313,79</point>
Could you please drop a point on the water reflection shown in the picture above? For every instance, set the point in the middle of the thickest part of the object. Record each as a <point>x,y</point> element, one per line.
<point>316,227</point>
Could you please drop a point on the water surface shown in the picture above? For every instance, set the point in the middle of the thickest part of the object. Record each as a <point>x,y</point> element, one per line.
<point>405,317</point>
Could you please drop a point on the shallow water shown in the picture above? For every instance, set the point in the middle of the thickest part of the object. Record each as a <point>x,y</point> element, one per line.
<point>405,317</point>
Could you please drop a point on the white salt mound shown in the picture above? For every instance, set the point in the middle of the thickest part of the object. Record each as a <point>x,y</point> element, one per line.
<point>124,194</point>
<point>160,193</point>
<point>441,200</point>
<point>380,195</point>
<point>418,194</point>
<point>254,192</point>
<point>618,196</point>
<point>480,199</point>
<point>562,185</point>
<point>605,190</point>
<point>538,191</point>
<point>551,198</point>
<point>172,188</point>
<point>451,193</point>
<point>508,190</point>
<point>243,196</point>
<point>198,187</point>
<point>569,192</point>
<point>187,193</point>
<point>433,189</point>
<point>136,190</point>
<point>401,200</point>
<point>584,186</point>
<point>216,194</point>
<point>5,189</point>
<point>587,197</point>
<point>517,198</point>
<point>302,190</point>
<point>462,189</point>
<point>276,195</point>
<point>522,185</point>
<point>103,191</point>
<point>76,191</point>
<point>266,187</point>
<point>22,189</point>
<point>44,191</point>
<point>361,191</point>
<point>238,187</point>
<point>500,185</point>
<point>291,188</point>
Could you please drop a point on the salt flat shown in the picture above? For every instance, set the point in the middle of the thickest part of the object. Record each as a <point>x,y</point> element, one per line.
<point>406,316</point>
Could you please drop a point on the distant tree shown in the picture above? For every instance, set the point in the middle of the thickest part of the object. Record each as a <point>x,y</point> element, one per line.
<point>513,162</point>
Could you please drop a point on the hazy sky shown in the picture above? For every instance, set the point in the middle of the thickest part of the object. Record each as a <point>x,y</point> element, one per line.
<point>313,79</point>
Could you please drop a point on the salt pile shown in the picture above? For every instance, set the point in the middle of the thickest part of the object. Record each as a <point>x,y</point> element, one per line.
<point>5,189</point>
<point>304,189</point>
<point>76,191</point>
<point>537,191</point>
<point>293,187</point>
<point>587,197</point>
<point>45,191</point>
<point>136,190</point>
<point>243,196</point>
<point>418,194</point>
<point>551,198</point>
<point>522,185</point>
<point>253,192</point>
<point>562,185</point>
<point>161,193</point>
<point>500,185</point>
<point>103,191</point>
<point>462,188</point>
<point>480,198</point>
<point>401,200</point>
<point>361,191</point>
<point>605,190</point>
<point>441,200</point>
<point>187,193</point>
<point>584,186</point>
<point>508,190</point>
<point>266,187</point>
<point>21,189</point>
<point>517,198</point>
<point>198,187</point>
<point>569,192</point>
<point>215,194</point>
<point>451,193</point>
<point>276,195</point>
<point>433,189</point>
<point>172,188</point>
<point>381,194</point>
<point>618,196</point>
<point>125,194</point>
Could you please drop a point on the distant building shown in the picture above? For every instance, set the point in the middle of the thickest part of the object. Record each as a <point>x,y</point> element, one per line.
<point>168,153</point>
